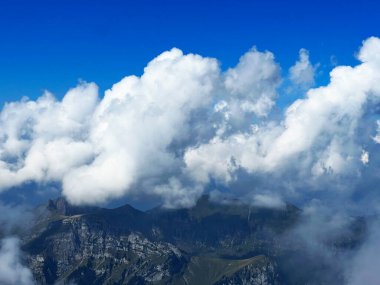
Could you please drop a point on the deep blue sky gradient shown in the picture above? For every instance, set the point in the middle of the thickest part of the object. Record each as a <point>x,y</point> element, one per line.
<point>52,44</point>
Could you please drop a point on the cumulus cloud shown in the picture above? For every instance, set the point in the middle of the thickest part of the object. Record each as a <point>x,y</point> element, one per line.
<point>43,139</point>
<point>138,120</point>
<point>318,136</point>
<point>101,148</point>
<point>252,84</point>
<point>302,72</point>
<point>185,123</point>
<point>12,271</point>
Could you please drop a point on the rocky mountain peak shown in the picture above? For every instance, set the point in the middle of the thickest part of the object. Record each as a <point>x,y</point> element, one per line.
<point>59,205</point>
<point>62,207</point>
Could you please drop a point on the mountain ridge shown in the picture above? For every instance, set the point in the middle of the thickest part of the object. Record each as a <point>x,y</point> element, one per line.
<point>227,243</point>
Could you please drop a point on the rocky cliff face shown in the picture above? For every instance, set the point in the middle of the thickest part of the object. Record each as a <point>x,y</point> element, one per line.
<point>265,272</point>
<point>95,257</point>
<point>97,247</point>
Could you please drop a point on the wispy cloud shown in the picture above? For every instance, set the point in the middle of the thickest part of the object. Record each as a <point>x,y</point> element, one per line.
<point>12,271</point>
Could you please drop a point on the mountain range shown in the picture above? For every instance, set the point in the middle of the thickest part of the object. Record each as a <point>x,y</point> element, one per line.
<point>225,242</point>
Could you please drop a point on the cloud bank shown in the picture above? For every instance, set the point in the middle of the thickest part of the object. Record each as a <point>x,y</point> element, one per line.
<point>185,125</point>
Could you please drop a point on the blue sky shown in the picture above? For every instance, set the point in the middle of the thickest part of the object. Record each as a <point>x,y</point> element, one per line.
<point>52,44</point>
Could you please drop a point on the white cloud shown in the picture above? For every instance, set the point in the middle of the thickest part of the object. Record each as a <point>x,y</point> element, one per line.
<point>101,148</point>
<point>252,83</point>
<point>43,139</point>
<point>302,72</point>
<point>12,272</point>
<point>317,136</point>
<point>364,157</point>
<point>178,195</point>
<point>268,201</point>
<point>187,119</point>
<point>137,121</point>
<point>376,138</point>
